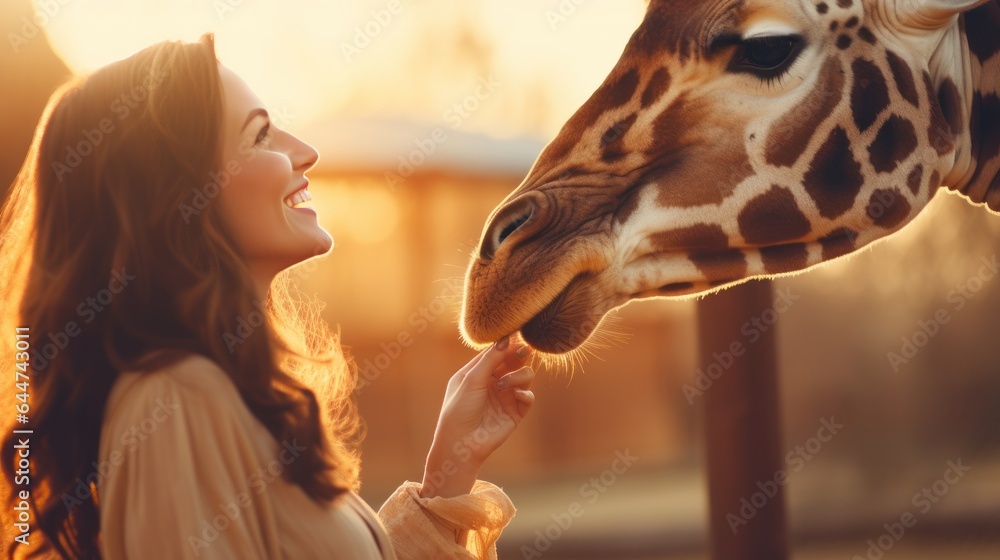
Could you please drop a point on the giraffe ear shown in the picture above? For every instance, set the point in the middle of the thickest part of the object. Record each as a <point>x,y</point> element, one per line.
<point>933,14</point>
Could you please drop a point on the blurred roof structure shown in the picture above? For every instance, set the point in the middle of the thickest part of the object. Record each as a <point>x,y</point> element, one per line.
<point>394,145</point>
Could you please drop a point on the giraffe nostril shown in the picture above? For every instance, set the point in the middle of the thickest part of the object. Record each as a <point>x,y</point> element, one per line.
<point>507,221</point>
<point>511,228</point>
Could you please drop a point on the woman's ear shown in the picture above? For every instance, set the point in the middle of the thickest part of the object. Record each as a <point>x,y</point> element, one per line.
<point>931,14</point>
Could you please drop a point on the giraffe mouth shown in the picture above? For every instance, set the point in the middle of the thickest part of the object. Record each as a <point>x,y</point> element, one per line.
<point>568,320</point>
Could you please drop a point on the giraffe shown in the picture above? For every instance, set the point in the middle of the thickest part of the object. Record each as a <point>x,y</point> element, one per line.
<point>737,139</point>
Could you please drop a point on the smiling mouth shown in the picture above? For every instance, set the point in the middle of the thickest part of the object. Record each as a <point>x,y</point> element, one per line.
<point>299,199</point>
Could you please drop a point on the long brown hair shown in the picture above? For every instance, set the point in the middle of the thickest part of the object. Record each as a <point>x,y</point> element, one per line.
<point>105,197</point>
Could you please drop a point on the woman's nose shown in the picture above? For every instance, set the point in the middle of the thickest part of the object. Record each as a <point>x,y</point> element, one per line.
<point>303,156</point>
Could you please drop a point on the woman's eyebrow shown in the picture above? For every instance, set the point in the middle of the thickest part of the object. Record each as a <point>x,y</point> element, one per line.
<point>253,114</point>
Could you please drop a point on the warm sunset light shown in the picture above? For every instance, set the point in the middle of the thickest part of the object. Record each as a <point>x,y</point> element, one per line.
<point>369,215</point>
<point>322,57</point>
<point>728,311</point>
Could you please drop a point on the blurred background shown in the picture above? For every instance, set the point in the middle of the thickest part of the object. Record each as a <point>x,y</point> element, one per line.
<point>426,115</point>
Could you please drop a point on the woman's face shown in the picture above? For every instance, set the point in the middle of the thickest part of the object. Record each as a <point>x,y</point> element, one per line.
<point>265,204</point>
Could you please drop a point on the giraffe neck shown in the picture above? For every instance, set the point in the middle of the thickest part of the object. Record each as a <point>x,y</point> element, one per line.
<point>969,56</point>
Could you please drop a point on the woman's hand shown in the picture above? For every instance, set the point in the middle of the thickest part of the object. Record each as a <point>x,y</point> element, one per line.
<point>485,401</point>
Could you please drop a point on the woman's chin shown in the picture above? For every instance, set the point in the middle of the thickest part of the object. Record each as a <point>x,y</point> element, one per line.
<point>316,243</point>
<point>323,243</point>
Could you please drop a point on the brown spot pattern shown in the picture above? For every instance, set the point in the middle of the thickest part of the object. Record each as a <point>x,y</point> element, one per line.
<point>838,243</point>
<point>866,34</point>
<point>724,265</point>
<point>616,91</point>
<point>981,27</point>
<point>851,22</point>
<point>790,135</point>
<point>951,107</point>
<point>708,237</point>
<point>621,90</point>
<point>822,8</point>
<point>784,258</point>
<point>845,3</point>
<point>913,180</point>
<point>903,76</point>
<point>771,218</point>
<point>887,208</point>
<point>612,145</point>
<point>895,141</point>
<point>658,84</point>
<point>679,153</point>
<point>938,131</point>
<point>834,176</point>
<point>869,95</point>
<point>843,42</point>
<point>985,183</point>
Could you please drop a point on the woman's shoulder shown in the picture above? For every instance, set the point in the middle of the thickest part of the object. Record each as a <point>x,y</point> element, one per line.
<point>192,379</point>
<point>190,406</point>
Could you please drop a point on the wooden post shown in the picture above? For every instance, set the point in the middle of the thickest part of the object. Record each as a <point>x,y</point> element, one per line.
<point>742,425</point>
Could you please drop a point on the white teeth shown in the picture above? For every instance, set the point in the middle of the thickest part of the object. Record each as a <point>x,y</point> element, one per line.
<point>298,198</point>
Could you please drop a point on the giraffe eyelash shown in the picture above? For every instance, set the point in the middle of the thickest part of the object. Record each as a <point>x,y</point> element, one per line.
<point>769,57</point>
<point>775,81</point>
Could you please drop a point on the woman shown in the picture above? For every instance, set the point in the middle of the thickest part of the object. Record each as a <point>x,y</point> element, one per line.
<point>147,237</point>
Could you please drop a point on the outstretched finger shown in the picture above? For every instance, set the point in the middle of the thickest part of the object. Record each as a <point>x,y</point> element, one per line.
<point>499,353</point>
<point>520,379</point>
<point>461,373</point>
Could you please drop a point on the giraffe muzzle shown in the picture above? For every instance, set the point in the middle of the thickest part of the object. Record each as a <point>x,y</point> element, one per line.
<point>513,223</point>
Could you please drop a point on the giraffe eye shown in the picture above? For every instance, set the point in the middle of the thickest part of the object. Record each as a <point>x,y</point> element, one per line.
<point>766,57</point>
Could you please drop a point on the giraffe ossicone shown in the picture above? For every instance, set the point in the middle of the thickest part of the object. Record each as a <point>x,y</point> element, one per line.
<point>737,139</point>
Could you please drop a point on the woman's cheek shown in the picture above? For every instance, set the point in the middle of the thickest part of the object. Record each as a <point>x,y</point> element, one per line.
<point>267,177</point>
<point>251,206</point>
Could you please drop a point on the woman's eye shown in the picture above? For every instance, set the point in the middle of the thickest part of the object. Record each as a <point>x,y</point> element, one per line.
<point>767,57</point>
<point>263,134</point>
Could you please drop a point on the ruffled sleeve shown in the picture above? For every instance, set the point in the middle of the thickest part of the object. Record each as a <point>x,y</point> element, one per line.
<point>180,472</point>
<point>462,527</point>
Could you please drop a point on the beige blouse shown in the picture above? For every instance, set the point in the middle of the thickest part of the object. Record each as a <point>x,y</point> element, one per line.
<point>187,471</point>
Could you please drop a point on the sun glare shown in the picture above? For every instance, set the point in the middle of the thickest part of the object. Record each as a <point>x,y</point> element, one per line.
<point>315,58</point>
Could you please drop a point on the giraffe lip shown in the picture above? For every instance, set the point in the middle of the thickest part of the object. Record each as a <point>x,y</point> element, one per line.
<point>564,323</point>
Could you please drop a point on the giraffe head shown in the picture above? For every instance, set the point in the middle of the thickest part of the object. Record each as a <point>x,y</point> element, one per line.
<point>733,139</point>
